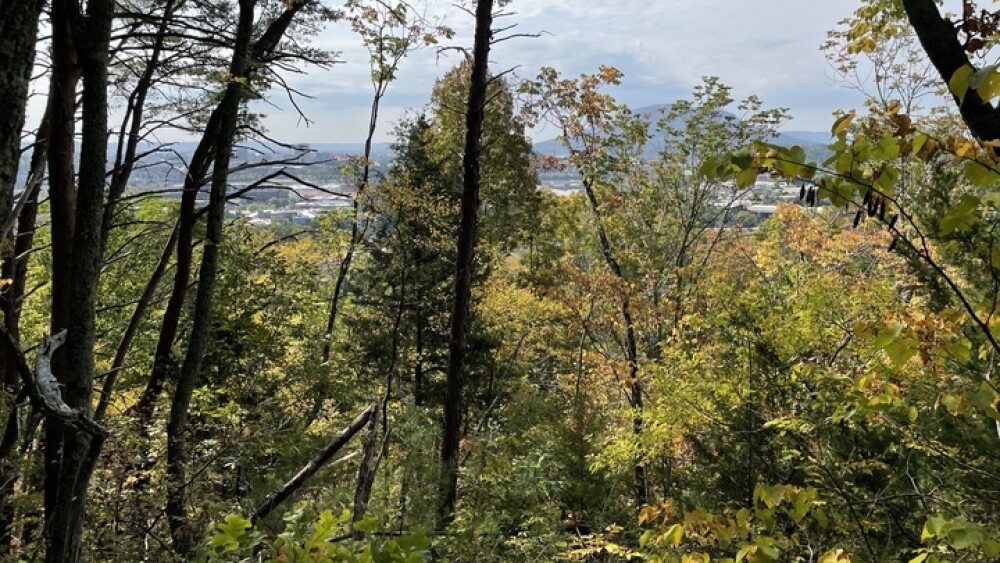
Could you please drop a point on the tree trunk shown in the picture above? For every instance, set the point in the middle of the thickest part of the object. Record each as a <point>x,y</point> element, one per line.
<point>62,205</point>
<point>64,523</point>
<point>180,531</point>
<point>18,33</point>
<point>197,170</point>
<point>940,41</point>
<point>15,268</point>
<point>451,432</point>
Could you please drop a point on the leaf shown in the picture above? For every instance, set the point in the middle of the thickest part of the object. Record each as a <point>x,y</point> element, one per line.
<point>234,525</point>
<point>960,217</point>
<point>366,525</point>
<point>674,535</point>
<point>747,177</point>
<point>709,169</point>
<point>901,350</point>
<point>648,514</point>
<point>886,181</point>
<point>983,398</point>
<point>932,527</point>
<point>919,558</point>
<point>842,123</point>
<point>961,349</point>
<point>986,82</point>
<point>979,174</point>
<point>965,537</point>
<point>959,81</point>
<point>887,336</point>
<point>835,555</point>
<point>770,495</point>
<point>886,149</point>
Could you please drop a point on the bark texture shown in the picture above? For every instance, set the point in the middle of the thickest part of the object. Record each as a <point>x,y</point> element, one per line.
<point>91,34</point>
<point>451,434</point>
<point>18,33</point>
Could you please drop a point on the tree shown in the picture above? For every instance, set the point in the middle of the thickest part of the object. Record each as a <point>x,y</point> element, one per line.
<point>451,429</point>
<point>17,55</point>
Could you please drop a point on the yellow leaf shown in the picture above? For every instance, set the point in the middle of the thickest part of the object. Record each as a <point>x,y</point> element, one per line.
<point>842,122</point>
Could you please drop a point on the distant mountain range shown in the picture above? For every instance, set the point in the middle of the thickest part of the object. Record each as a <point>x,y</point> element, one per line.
<point>167,167</point>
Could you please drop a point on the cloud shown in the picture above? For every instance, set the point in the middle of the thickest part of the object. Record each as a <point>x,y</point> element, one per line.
<point>765,47</point>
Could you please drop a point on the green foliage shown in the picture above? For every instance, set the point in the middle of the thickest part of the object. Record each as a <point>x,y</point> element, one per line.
<point>312,538</point>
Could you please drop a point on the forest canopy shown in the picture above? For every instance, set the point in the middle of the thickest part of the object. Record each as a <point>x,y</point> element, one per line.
<point>671,333</point>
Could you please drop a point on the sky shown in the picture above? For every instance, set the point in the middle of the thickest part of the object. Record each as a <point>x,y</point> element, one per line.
<point>765,47</point>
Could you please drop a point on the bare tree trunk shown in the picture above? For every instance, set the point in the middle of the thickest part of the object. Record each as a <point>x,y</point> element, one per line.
<point>64,524</point>
<point>180,530</point>
<point>62,205</point>
<point>451,431</point>
<point>15,268</point>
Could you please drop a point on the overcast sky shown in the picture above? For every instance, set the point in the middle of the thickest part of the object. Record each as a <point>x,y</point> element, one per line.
<point>664,47</point>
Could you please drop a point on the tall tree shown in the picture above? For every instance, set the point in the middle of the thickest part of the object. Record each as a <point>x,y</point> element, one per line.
<point>83,37</point>
<point>228,112</point>
<point>18,32</point>
<point>451,430</point>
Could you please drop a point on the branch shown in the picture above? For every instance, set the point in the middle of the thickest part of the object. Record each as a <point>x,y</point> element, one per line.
<point>314,465</point>
<point>43,388</point>
<point>939,39</point>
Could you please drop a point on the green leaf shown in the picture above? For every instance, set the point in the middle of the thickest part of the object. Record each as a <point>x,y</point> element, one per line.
<point>747,177</point>
<point>932,527</point>
<point>674,535</point>
<point>961,349</point>
<point>983,398</point>
<point>901,350</point>
<point>962,216</point>
<point>366,525</point>
<point>886,181</point>
<point>887,336</point>
<point>959,81</point>
<point>978,174</point>
<point>709,169</point>
<point>965,537</point>
<point>886,149</point>
<point>770,495</point>
<point>986,82</point>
